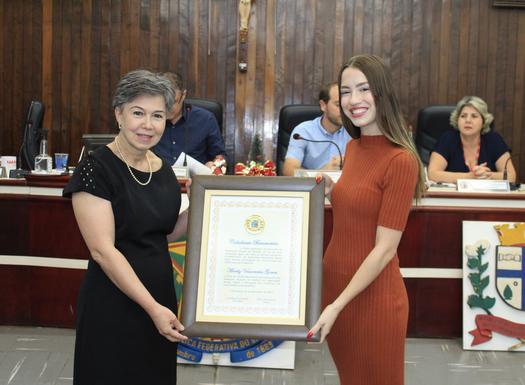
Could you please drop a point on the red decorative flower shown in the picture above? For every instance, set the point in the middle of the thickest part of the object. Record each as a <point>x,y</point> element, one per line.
<point>239,169</point>
<point>219,165</point>
<point>255,169</point>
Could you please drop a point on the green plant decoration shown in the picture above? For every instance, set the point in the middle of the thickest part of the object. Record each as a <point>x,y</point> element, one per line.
<point>478,281</point>
<point>256,150</point>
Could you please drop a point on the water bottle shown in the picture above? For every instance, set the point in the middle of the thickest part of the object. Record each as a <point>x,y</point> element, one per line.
<point>43,162</point>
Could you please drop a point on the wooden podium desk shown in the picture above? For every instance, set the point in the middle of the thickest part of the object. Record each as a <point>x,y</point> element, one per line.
<point>43,256</point>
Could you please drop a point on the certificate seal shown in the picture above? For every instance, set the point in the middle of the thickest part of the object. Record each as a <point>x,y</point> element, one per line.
<point>254,224</point>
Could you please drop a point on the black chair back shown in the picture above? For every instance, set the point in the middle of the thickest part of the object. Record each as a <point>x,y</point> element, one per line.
<point>432,122</point>
<point>211,105</point>
<point>289,117</point>
<point>32,135</point>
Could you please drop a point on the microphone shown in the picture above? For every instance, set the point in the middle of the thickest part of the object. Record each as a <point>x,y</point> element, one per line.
<point>27,129</point>
<point>188,110</point>
<point>513,186</point>
<point>505,173</point>
<point>185,163</point>
<point>299,137</point>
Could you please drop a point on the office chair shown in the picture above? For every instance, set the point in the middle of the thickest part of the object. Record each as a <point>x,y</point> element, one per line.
<point>211,105</point>
<point>32,135</point>
<point>432,122</point>
<point>289,117</point>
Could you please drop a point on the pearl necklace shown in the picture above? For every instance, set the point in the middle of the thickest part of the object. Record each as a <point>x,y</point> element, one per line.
<point>129,168</point>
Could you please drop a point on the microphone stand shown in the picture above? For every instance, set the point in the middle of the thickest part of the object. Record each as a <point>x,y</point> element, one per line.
<point>19,172</point>
<point>515,185</point>
<point>299,137</point>
<point>505,174</point>
<point>185,163</point>
<point>188,110</point>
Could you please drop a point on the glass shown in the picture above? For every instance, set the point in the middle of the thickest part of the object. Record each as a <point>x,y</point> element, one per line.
<point>61,161</point>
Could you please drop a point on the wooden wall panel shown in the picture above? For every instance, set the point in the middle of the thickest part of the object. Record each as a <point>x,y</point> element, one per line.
<point>70,54</point>
<point>20,68</point>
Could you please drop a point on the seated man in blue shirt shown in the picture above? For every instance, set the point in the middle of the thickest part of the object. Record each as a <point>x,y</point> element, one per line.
<point>189,129</point>
<point>308,155</point>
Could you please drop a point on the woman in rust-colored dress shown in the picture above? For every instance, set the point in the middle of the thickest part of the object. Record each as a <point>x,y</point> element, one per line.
<point>366,305</point>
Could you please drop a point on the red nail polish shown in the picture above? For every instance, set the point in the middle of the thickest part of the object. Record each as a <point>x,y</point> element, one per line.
<point>309,335</point>
<point>318,179</point>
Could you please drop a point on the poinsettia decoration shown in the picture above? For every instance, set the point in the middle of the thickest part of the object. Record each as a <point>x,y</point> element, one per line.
<point>219,165</point>
<point>254,165</point>
<point>253,168</point>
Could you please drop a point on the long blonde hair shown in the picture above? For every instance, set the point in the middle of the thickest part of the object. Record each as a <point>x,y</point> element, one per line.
<point>389,116</point>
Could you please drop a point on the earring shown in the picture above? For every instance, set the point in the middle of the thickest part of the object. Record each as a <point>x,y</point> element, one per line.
<point>120,126</point>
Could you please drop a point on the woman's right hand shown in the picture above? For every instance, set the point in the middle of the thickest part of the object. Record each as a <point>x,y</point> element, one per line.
<point>188,185</point>
<point>167,323</point>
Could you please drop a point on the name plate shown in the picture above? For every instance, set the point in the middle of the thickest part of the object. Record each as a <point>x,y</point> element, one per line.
<point>53,172</point>
<point>333,174</point>
<point>181,171</point>
<point>483,185</point>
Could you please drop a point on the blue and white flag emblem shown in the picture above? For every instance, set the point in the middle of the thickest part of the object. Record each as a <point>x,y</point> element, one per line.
<point>510,275</point>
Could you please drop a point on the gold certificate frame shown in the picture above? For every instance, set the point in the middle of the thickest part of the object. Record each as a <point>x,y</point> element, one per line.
<point>254,257</point>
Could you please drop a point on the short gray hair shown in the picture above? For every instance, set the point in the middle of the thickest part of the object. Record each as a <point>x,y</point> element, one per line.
<point>475,102</point>
<point>143,82</point>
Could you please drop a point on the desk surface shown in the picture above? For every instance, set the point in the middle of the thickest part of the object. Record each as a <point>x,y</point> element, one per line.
<point>45,185</point>
<point>434,196</point>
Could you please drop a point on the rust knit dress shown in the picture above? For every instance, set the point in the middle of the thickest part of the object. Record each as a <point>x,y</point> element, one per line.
<point>367,341</point>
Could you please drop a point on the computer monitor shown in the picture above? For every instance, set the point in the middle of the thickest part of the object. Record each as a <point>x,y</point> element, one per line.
<point>90,142</point>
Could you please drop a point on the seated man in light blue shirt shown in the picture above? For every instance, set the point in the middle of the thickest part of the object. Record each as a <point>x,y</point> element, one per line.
<point>328,127</point>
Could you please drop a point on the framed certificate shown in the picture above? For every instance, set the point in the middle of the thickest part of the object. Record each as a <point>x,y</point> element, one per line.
<point>254,257</point>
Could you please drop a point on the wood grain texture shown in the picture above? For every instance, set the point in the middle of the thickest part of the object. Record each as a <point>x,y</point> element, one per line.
<point>70,55</point>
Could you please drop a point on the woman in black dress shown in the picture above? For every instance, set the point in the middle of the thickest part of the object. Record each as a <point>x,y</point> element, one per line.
<point>126,202</point>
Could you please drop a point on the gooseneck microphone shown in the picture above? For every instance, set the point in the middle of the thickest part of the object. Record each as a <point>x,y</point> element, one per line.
<point>27,130</point>
<point>299,137</point>
<point>505,174</point>
<point>185,163</point>
<point>188,110</point>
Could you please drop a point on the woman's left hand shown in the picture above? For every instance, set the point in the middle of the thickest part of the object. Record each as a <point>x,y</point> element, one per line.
<point>325,322</point>
<point>167,324</point>
<point>328,184</point>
